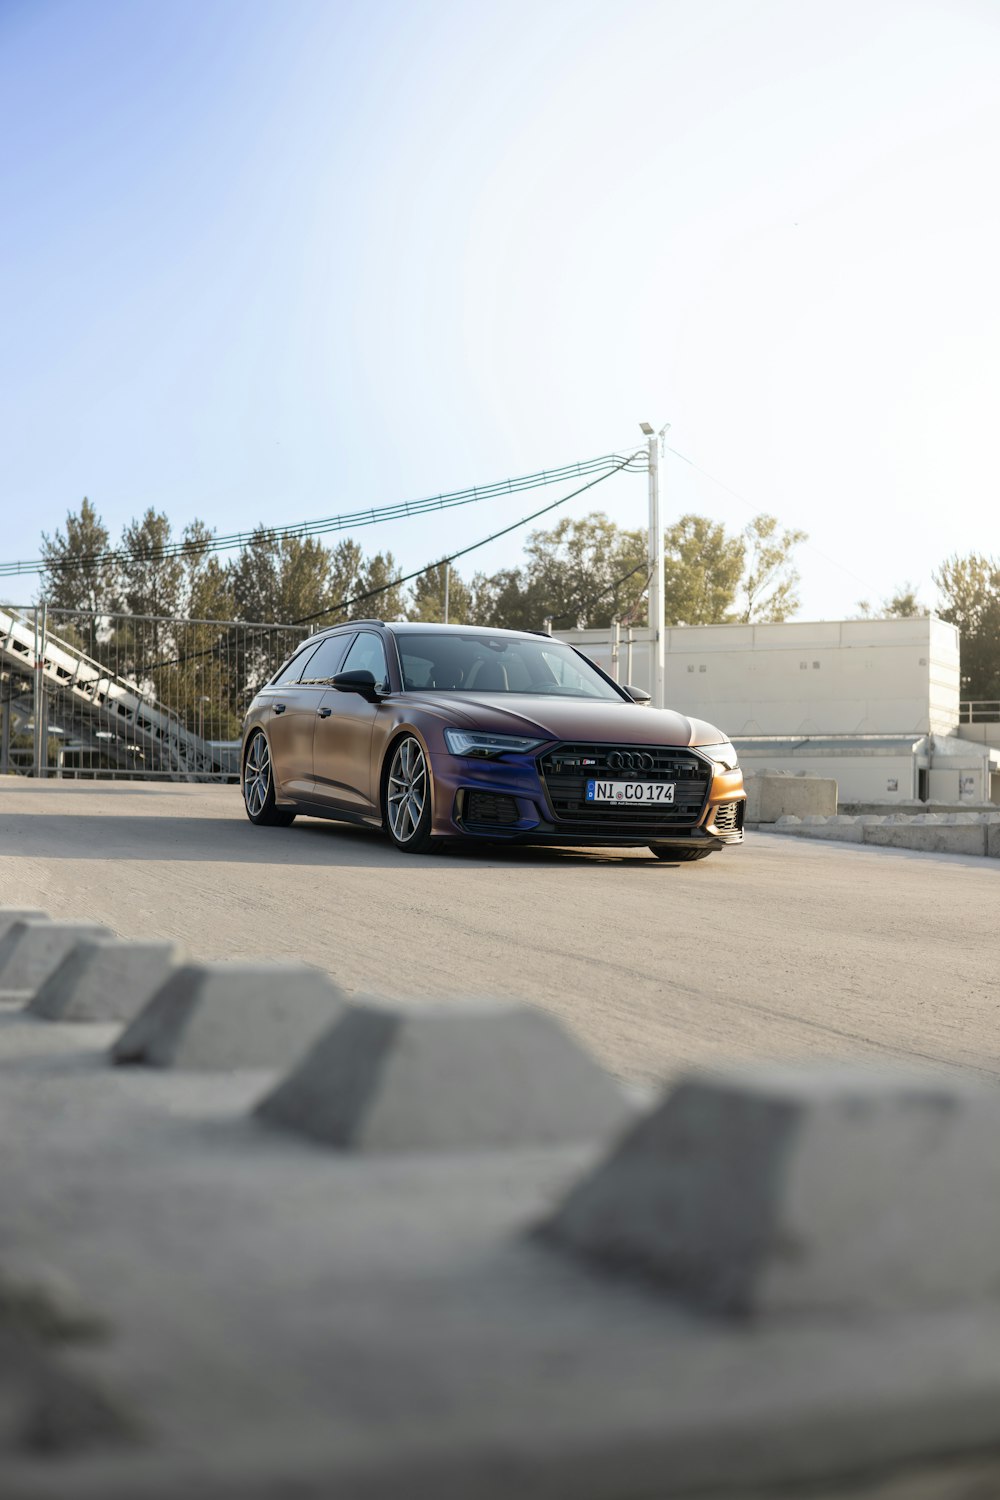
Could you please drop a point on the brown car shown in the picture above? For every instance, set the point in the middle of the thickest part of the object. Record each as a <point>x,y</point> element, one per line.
<point>444,732</point>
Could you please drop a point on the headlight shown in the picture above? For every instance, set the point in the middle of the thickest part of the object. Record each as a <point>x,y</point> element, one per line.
<point>470,742</point>
<point>724,755</point>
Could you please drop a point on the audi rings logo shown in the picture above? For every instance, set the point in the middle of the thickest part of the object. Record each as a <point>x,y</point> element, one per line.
<point>630,760</point>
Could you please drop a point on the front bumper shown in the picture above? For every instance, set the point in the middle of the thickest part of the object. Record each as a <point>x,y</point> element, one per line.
<point>513,785</point>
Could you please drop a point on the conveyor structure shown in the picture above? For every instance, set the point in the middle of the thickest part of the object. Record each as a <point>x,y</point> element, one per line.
<point>100,711</point>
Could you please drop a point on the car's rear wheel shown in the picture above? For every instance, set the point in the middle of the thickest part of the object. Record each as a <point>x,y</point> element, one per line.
<point>406,797</point>
<point>258,786</point>
<point>679,856</point>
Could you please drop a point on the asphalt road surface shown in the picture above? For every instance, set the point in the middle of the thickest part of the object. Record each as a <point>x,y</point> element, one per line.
<point>780,949</point>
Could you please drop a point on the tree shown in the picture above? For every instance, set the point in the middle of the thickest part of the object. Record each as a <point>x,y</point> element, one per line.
<point>253,578</point>
<point>389,602</point>
<point>768,583</point>
<point>72,576</point>
<point>903,605</point>
<point>151,582</point>
<point>428,597</point>
<point>702,567</point>
<point>509,600</point>
<point>970,587</point>
<point>303,579</point>
<point>586,573</point>
<point>150,590</point>
<point>281,579</point>
<point>347,563</point>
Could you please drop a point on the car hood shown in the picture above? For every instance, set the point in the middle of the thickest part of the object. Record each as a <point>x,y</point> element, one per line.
<point>603,721</point>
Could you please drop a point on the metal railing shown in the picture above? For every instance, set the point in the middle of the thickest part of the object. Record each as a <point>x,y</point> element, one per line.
<point>93,695</point>
<point>979,711</point>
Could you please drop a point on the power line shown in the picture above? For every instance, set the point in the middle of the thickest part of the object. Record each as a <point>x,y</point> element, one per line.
<point>605,465</point>
<point>623,463</point>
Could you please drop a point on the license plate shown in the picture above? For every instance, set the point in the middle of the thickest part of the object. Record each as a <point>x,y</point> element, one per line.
<point>630,791</point>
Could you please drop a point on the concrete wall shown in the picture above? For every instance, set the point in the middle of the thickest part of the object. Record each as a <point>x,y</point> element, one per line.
<point>859,778</point>
<point>825,677</point>
<point>981,734</point>
<point>929,833</point>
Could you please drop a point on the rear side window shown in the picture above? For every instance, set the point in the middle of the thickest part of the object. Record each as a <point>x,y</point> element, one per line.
<point>329,654</point>
<point>292,670</point>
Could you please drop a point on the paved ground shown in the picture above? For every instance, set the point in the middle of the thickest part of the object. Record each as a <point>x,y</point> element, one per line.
<point>285,1319</point>
<point>778,949</point>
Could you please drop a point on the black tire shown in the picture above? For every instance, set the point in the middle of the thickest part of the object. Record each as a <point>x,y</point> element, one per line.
<point>258,786</point>
<point>406,781</point>
<point>679,856</point>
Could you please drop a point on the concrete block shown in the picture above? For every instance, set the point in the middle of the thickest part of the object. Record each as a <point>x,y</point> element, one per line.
<point>39,1301</point>
<point>963,838</point>
<point>105,980</point>
<point>770,797</point>
<point>843,830</point>
<point>11,914</point>
<point>993,840</point>
<point>461,1077</point>
<point>231,1015</point>
<point>782,1190</point>
<point>34,948</point>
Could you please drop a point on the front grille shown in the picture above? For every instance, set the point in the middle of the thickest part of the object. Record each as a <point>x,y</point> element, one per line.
<point>729,817</point>
<point>491,807</point>
<point>567,769</point>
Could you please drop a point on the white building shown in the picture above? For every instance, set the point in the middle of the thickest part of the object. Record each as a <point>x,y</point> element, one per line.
<point>873,703</point>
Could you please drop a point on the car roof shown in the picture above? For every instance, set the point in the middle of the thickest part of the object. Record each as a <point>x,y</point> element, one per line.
<point>422,627</point>
<point>413,627</point>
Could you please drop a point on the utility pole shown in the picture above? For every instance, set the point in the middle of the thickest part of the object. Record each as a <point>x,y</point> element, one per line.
<point>657,627</point>
<point>447,583</point>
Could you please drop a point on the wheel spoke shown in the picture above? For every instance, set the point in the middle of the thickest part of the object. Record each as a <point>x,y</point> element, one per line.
<point>257,777</point>
<point>406,790</point>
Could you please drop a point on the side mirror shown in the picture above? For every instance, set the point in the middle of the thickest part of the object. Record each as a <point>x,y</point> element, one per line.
<point>637,694</point>
<point>362,682</point>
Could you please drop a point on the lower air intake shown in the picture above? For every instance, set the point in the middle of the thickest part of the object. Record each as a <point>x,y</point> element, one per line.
<point>491,808</point>
<point>729,817</point>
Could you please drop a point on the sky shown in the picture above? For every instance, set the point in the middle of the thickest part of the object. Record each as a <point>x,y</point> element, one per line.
<point>268,262</point>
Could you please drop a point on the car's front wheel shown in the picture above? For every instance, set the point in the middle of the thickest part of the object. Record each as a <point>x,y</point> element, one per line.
<point>406,797</point>
<point>679,856</point>
<point>258,786</point>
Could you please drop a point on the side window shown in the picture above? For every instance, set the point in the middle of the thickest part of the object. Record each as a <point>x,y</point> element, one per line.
<point>328,657</point>
<point>367,655</point>
<point>292,670</point>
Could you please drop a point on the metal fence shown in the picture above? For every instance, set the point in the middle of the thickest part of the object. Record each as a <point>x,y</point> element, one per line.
<point>93,695</point>
<point>979,711</point>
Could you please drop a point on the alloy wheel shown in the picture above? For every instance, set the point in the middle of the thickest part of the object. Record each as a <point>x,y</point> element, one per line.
<point>406,793</point>
<point>257,775</point>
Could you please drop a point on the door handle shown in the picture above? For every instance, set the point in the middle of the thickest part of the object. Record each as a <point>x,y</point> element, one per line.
<point>324,713</point>
<point>279,708</point>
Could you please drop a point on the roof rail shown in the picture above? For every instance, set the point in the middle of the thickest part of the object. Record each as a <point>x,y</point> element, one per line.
<point>342,624</point>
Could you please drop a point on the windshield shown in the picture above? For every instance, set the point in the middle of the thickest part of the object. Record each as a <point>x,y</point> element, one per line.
<point>496,664</point>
